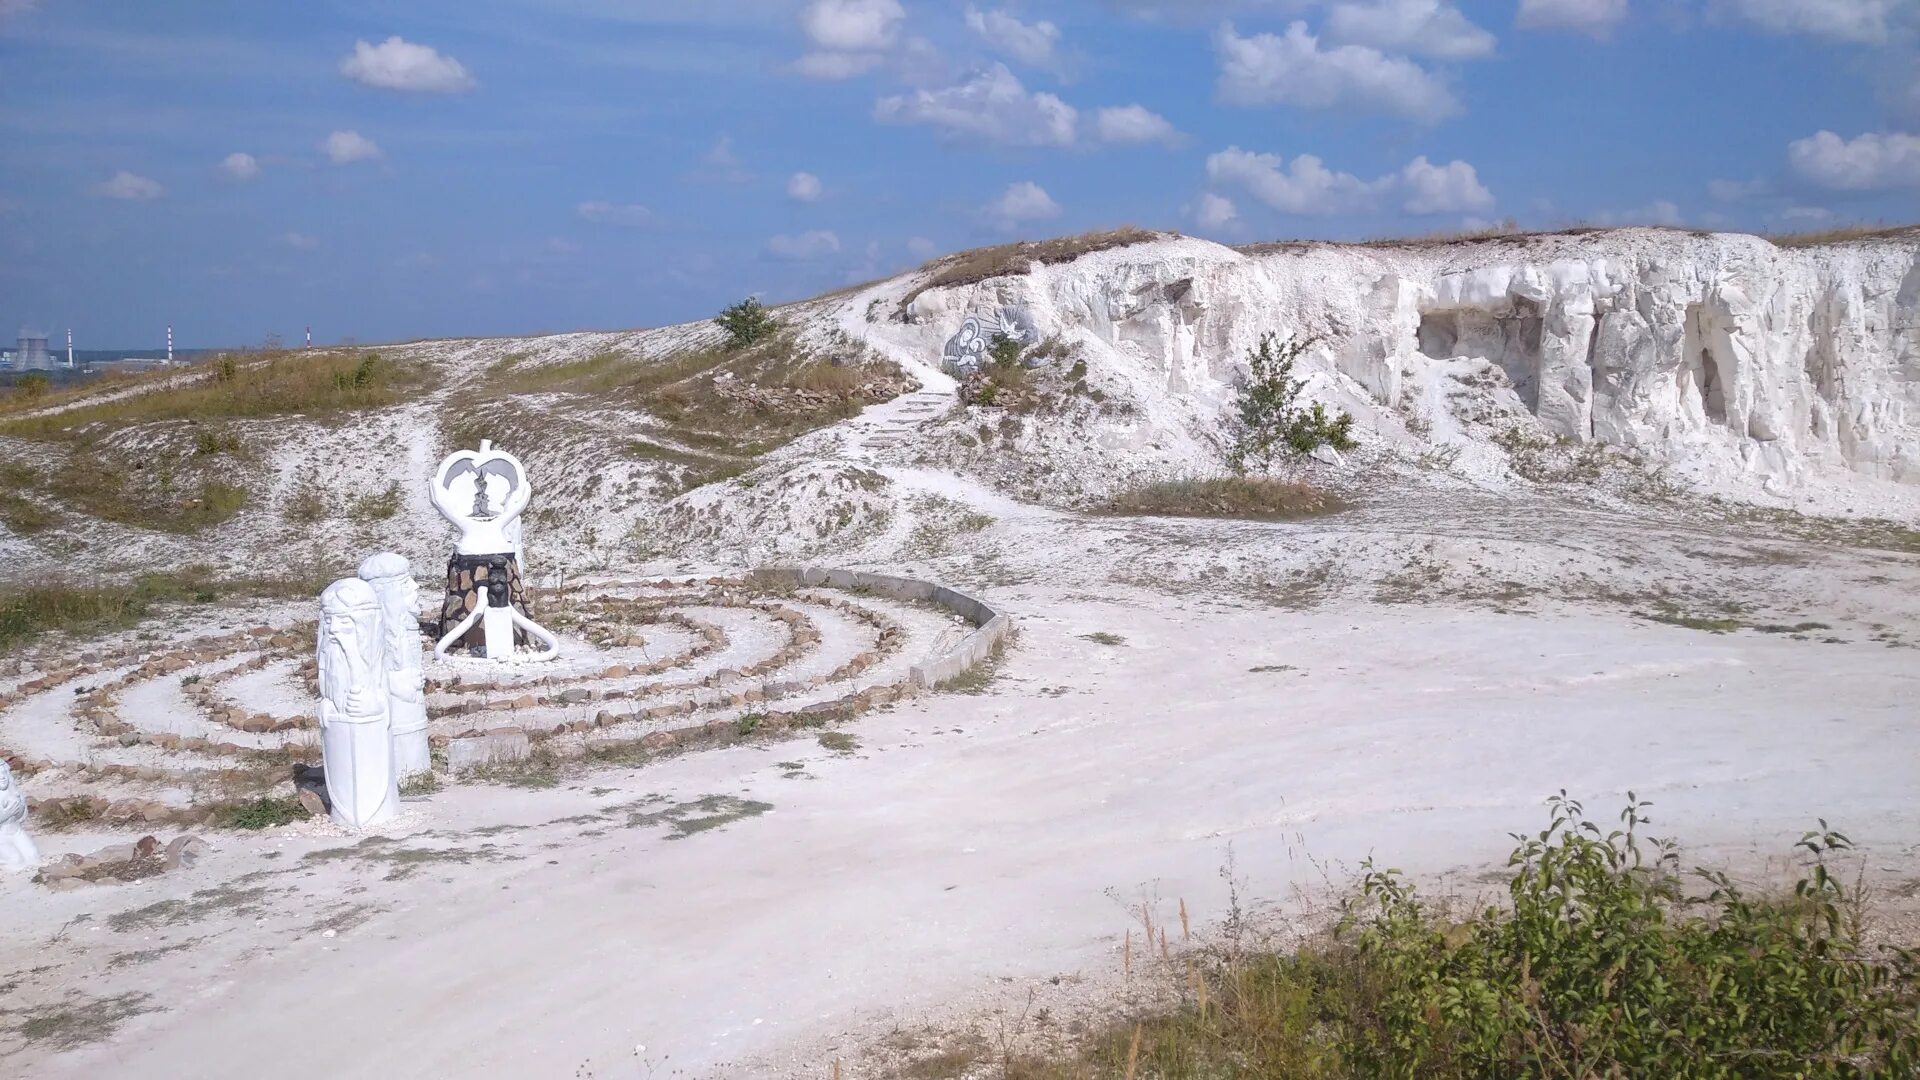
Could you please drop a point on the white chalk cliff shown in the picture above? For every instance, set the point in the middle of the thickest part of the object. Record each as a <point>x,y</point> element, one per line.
<point>1722,355</point>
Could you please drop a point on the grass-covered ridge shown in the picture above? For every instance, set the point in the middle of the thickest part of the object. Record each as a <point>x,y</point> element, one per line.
<point>1604,961</point>
<point>275,384</point>
<point>979,264</point>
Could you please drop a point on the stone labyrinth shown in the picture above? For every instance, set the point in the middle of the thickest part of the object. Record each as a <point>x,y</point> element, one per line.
<point>177,731</point>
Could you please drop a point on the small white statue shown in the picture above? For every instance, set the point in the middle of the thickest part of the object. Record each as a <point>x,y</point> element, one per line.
<point>16,847</point>
<point>356,737</point>
<point>392,580</point>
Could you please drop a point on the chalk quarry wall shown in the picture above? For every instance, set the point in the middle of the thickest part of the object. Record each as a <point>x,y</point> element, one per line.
<point>1722,354</point>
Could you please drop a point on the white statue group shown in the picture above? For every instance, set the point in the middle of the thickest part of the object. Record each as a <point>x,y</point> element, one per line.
<point>373,709</point>
<point>373,704</point>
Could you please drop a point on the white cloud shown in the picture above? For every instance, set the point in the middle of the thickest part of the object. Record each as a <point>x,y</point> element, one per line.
<point>1033,44</point>
<point>1870,162</point>
<point>129,186</point>
<point>631,215</point>
<point>301,241</point>
<point>1806,215</point>
<point>347,147</point>
<point>1737,190</point>
<point>1453,188</point>
<point>803,187</point>
<point>1215,211</point>
<point>920,247</point>
<point>992,106</point>
<point>852,25</point>
<point>395,64</point>
<point>1133,124</point>
<point>723,165</point>
<point>238,166</point>
<point>1267,69</point>
<point>1307,186</point>
<point>1022,202</point>
<point>1657,212</point>
<point>1594,18</point>
<point>1425,27</point>
<point>834,66</point>
<point>807,245</point>
<point>1859,21</point>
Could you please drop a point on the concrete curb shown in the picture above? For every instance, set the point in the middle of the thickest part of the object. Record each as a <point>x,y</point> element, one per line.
<point>990,627</point>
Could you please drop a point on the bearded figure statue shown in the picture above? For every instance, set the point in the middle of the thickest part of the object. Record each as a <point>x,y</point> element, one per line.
<point>356,736</point>
<point>392,580</point>
<point>16,847</point>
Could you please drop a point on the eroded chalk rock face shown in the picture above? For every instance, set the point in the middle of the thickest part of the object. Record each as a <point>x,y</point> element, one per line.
<point>1722,353</point>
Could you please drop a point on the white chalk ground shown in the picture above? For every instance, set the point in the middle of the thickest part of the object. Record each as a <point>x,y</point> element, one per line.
<point>1432,665</point>
<point>968,840</point>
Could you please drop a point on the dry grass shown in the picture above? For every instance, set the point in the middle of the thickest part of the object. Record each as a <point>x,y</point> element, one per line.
<point>27,612</point>
<point>1846,234</point>
<point>979,264</point>
<point>1253,497</point>
<point>273,384</point>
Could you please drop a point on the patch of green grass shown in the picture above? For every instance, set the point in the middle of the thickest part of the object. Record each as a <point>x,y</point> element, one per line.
<point>1259,498</point>
<point>29,611</point>
<point>701,815</point>
<point>839,742</point>
<point>1712,624</point>
<point>1601,962</point>
<point>368,508</point>
<point>225,899</point>
<point>80,1020</point>
<point>1102,637</point>
<point>424,783</point>
<point>262,813</point>
<point>24,516</point>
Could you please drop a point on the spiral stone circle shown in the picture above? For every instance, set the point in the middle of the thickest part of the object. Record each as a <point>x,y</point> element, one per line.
<point>176,732</point>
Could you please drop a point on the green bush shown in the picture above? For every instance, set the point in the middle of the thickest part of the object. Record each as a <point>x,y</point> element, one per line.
<point>747,322</point>
<point>1268,415</point>
<point>1601,964</point>
<point>264,813</point>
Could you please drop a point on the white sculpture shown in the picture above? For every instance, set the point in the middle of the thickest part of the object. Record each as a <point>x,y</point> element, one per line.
<point>356,737</point>
<point>483,493</point>
<point>392,581</point>
<point>16,847</point>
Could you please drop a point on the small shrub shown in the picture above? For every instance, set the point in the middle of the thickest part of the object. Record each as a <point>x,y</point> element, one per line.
<point>263,813</point>
<point>1268,415</point>
<point>377,507</point>
<point>747,322</point>
<point>32,385</point>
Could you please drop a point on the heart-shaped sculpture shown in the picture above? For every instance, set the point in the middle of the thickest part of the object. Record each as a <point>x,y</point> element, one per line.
<point>482,492</point>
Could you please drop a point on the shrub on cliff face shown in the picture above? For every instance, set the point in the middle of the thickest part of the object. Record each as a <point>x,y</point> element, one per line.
<point>1268,416</point>
<point>746,322</point>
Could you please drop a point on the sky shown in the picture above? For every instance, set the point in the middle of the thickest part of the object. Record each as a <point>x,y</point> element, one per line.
<point>383,171</point>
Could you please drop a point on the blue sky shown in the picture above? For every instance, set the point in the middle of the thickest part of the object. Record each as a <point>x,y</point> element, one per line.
<point>465,167</point>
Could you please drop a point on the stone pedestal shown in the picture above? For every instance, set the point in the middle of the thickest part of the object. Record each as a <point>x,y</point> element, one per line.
<point>475,581</point>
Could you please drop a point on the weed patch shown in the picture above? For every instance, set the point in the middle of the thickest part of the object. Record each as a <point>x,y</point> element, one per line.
<point>1258,498</point>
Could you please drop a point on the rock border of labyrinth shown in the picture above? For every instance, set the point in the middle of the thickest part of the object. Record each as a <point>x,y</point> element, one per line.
<point>991,628</point>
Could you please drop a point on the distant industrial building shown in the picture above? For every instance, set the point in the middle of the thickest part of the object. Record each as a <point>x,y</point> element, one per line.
<point>31,354</point>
